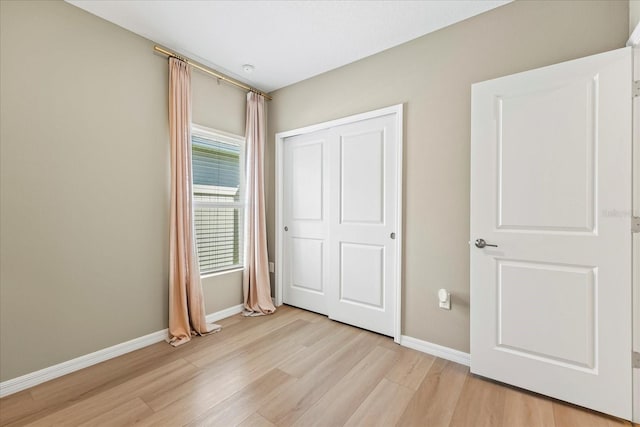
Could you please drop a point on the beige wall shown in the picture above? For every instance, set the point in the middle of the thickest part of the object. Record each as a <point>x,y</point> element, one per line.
<point>84,164</point>
<point>84,184</point>
<point>432,77</point>
<point>634,14</point>
<point>221,107</point>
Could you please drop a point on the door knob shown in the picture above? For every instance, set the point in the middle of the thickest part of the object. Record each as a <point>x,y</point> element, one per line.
<point>481,243</point>
<point>286,228</point>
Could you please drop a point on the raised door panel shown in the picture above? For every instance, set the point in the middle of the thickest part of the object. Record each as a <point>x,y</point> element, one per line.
<point>547,167</point>
<point>307,260</point>
<point>306,181</point>
<point>358,285</point>
<point>547,312</point>
<point>362,177</point>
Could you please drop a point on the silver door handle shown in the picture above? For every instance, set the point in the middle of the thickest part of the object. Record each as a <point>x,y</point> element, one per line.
<point>481,243</point>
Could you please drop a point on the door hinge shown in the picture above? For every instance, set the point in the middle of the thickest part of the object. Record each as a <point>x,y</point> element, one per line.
<point>635,224</point>
<point>636,88</point>
<point>636,360</point>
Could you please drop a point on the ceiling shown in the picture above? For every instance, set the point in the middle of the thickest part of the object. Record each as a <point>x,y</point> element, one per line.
<point>285,41</point>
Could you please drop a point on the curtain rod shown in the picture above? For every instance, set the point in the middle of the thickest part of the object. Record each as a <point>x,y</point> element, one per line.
<point>210,71</point>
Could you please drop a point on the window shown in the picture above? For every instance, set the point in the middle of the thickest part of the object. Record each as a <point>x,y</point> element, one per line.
<point>218,198</point>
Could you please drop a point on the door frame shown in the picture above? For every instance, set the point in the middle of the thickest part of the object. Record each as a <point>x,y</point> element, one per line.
<point>635,251</point>
<point>281,136</point>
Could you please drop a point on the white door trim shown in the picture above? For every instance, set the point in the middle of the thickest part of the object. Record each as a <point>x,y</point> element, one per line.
<point>634,38</point>
<point>635,140</point>
<point>280,137</point>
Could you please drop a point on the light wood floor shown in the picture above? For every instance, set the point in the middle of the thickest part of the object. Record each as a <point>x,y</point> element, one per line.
<point>291,368</point>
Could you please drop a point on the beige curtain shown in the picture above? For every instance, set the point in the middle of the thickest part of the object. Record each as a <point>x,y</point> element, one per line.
<point>186,303</point>
<point>255,281</point>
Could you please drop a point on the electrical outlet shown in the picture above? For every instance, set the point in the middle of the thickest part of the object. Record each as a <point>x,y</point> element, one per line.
<point>444,299</point>
<point>272,267</point>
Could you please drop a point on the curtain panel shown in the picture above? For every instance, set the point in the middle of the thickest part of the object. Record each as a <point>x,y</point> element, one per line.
<point>186,300</point>
<point>255,280</point>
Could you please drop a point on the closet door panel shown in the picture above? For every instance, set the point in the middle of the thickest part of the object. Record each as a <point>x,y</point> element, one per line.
<point>305,268</point>
<point>362,221</point>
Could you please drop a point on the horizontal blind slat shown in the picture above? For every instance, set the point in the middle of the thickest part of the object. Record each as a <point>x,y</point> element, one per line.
<point>216,172</point>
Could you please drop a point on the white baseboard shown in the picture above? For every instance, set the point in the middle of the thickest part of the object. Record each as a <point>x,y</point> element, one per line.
<point>223,314</point>
<point>32,379</point>
<point>436,350</point>
<point>15,385</point>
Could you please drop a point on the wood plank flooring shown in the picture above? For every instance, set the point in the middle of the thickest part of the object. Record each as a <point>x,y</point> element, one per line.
<point>294,368</point>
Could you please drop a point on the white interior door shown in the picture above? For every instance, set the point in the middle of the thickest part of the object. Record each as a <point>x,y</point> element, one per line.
<point>551,187</point>
<point>362,224</point>
<point>305,214</point>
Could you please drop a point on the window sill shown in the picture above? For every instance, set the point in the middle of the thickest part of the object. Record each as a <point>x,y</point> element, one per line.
<point>220,273</point>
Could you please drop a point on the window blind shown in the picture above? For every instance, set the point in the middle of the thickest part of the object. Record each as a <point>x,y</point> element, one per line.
<point>215,163</point>
<point>218,207</point>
